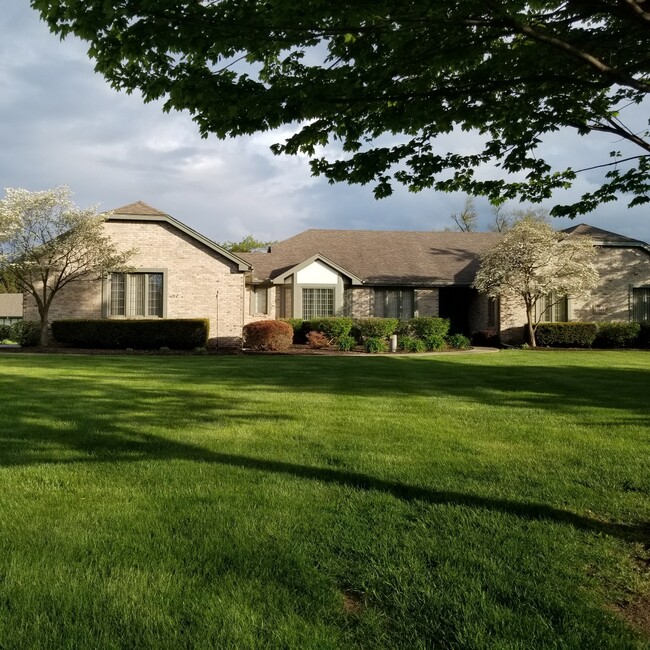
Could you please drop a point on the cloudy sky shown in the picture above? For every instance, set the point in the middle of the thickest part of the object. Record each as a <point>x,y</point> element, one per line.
<point>60,123</point>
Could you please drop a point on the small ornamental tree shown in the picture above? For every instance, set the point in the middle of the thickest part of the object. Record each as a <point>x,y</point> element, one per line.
<point>533,261</point>
<point>47,243</point>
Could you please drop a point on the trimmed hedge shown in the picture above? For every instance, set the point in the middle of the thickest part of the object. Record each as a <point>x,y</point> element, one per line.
<point>429,327</point>
<point>566,335</point>
<point>5,332</point>
<point>268,335</point>
<point>27,333</point>
<point>411,344</point>
<point>138,334</point>
<point>333,327</point>
<point>374,328</point>
<point>644,334</point>
<point>617,335</point>
<point>300,328</point>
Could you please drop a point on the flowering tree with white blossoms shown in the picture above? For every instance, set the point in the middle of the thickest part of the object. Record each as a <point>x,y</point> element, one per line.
<point>47,243</point>
<point>533,261</point>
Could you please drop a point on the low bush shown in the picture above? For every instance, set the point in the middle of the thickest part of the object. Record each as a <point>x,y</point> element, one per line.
<point>27,333</point>
<point>317,340</point>
<point>268,335</point>
<point>333,327</point>
<point>5,333</point>
<point>617,335</point>
<point>566,335</point>
<point>412,344</point>
<point>459,342</point>
<point>137,334</point>
<point>346,343</point>
<point>488,337</point>
<point>434,342</point>
<point>374,344</point>
<point>425,327</point>
<point>375,328</point>
<point>644,335</point>
<point>300,329</point>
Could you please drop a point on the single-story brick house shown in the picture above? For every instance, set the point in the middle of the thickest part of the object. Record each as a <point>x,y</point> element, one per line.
<point>178,273</point>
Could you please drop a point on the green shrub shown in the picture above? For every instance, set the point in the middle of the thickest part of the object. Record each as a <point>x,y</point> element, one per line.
<point>404,329</point>
<point>412,344</point>
<point>617,335</point>
<point>566,335</point>
<point>333,327</point>
<point>268,335</point>
<point>27,333</point>
<point>375,328</point>
<point>459,342</point>
<point>426,327</point>
<point>300,329</point>
<point>317,340</point>
<point>487,337</point>
<point>434,342</point>
<point>374,344</point>
<point>138,334</point>
<point>5,333</point>
<point>644,335</point>
<point>346,343</point>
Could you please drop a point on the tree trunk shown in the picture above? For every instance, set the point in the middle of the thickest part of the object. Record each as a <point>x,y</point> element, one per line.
<point>530,327</point>
<point>45,339</point>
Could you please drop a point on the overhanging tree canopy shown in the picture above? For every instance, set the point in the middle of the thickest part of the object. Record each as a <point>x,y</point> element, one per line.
<point>408,69</point>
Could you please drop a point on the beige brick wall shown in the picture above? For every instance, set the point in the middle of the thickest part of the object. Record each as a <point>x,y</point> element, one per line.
<point>360,302</point>
<point>200,282</point>
<point>619,269</point>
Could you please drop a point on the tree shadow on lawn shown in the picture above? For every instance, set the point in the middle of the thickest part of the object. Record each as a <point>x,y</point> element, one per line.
<point>108,424</point>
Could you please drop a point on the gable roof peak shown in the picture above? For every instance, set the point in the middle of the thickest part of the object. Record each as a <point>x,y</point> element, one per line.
<point>139,208</point>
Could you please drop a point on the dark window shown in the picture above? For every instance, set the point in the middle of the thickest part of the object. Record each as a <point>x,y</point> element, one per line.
<point>641,304</point>
<point>317,303</point>
<point>552,309</point>
<point>394,303</point>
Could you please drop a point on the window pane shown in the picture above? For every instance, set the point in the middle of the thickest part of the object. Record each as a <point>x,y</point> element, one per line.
<point>394,303</point>
<point>116,305</point>
<point>155,296</point>
<point>640,305</point>
<point>135,294</point>
<point>317,303</point>
<point>552,309</point>
<point>259,300</point>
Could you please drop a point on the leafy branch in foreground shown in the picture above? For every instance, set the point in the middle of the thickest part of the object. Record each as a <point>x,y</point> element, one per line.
<point>385,79</point>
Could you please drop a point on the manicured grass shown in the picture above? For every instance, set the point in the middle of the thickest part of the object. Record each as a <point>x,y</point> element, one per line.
<point>487,501</point>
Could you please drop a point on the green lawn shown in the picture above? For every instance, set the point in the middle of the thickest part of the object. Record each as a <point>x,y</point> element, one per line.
<point>467,501</point>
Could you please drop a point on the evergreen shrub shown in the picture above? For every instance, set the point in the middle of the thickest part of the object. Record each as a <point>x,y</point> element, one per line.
<point>566,335</point>
<point>136,334</point>
<point>617,335</point>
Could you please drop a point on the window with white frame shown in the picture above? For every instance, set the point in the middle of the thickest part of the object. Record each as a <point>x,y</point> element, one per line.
<point>640,304</point>
<point>135,294</point>
<point>259,300</point>
<point>317,303</point>
<point>552,308</point>
<point>395,303</point>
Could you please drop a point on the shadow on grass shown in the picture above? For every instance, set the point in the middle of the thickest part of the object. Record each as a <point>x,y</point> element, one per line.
<point>99,410</point>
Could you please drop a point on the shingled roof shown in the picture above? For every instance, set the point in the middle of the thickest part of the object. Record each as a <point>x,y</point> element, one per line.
<point>382,256</point>
<point>139,208</point>
<point>603,236</point>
